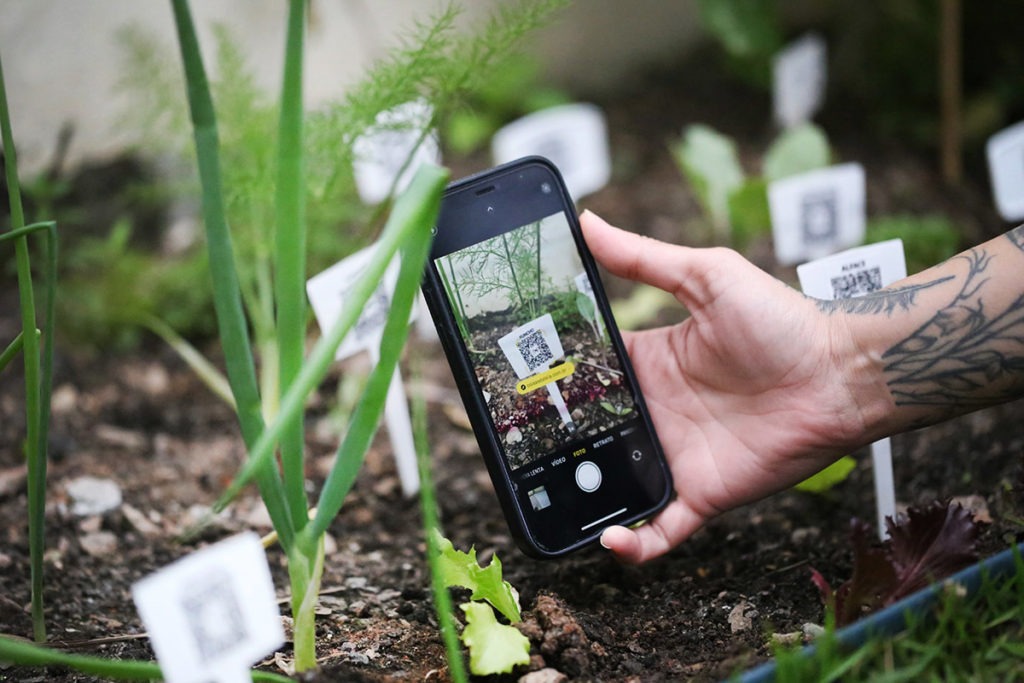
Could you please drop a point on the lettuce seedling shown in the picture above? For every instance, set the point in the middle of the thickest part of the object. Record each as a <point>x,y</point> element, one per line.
<point>493,647</point>
<point>927,545</point>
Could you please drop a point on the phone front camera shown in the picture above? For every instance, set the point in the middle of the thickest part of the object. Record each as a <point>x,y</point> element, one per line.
<point>545,188</point>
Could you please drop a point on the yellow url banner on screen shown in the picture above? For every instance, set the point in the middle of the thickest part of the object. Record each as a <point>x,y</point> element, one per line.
<point>556,373</point>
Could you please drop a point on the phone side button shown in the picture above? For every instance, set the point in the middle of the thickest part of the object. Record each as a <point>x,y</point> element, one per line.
<point>588,476</point>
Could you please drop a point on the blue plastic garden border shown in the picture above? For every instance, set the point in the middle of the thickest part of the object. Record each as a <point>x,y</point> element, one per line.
<point>893,619</point>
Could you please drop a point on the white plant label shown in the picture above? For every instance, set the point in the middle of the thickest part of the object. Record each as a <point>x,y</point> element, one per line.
<point>328,290</point>
<point>380,154</point>
<point>212,614</point>
<point>1005,152</point>
<point>530,350</point>
<point>817,213</point>
<point>799,77</point>
<point>327,293</point>
<point>572,136</point>
<point>854,273</point>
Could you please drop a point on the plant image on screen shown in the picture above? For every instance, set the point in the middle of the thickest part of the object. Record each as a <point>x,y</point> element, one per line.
<point>543,359</point>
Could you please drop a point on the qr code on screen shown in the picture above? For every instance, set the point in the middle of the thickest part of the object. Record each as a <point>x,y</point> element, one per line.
<point>535,350</point>
<point>214,616</point>
<point>850,285</point>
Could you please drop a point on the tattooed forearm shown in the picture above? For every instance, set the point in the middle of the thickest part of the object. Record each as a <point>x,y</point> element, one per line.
<point>966,355</point>
<point>884,301</point>
<point>1017,237</point>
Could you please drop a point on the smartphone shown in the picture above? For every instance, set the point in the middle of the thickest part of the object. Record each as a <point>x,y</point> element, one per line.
<point>539,363</point>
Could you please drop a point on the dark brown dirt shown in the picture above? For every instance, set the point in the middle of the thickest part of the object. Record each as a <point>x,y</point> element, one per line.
<point>146,422</point>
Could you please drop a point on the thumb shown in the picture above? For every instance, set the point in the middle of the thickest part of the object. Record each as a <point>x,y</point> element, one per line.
<point>638,258</point>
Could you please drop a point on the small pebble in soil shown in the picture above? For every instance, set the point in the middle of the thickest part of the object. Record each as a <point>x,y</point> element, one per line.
<point>741,617</point>
<point>546,675</point>
<point>99,543</point>
<point>93,496</point>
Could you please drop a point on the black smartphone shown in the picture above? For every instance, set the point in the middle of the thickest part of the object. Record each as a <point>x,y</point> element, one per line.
<point>539,363</point>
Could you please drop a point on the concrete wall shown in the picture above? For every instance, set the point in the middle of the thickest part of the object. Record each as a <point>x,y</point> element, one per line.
<point>62,62</point>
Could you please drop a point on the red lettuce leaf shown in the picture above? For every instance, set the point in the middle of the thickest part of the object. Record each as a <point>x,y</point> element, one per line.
<point>927,545</point>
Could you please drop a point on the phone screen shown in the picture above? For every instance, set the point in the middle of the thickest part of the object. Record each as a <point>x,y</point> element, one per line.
<point>545,364</point>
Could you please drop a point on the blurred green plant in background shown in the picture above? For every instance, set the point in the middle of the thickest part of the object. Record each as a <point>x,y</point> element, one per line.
<point>515,89</point>
<point>474,81</point>
<point>735,204</point>
<point>927,240</point>
<point>749,32</point>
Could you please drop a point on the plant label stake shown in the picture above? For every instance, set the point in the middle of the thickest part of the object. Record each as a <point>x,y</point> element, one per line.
<point>573,136</point>
<point>387,155</point>
<point>327,292</point>
<point>532,349</point>
<point>853,273</point>
<point>799,75</point>
<point>213,614</point>
<point>817,213</point>
<point>1005,152</point>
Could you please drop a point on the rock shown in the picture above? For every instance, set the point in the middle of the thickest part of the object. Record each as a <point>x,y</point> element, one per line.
<point>812,631</point>
<point>12,480</point>
<point>787,639</point>
<point>93,496</point>
<point>140,522</point>
<point>63,400</point>
<point>976,505</point>
<point>513,436</point>
<point>805,534</point>
<point>740,617</point>
<point>99,543</point>
<point>121,438</point>
<point>546,675</point>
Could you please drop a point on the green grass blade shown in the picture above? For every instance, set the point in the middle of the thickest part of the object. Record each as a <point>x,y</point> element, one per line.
<point>25,654</point>
<point>213,378</point>
<point>289,256</point>
<point>35,444</point>
<point>367,414</point>
<point>414,212</point>
<point>231,321</point>
<point>431,523</point>
<point>11,351</point>
<point>37,479</point>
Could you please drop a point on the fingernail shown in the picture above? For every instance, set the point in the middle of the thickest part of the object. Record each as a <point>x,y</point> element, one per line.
<point>603,544</point>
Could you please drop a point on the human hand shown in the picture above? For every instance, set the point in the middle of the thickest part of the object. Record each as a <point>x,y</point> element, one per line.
<point>756,391</point>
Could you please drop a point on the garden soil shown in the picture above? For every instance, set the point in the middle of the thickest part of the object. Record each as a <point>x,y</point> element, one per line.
<point>703,612</point>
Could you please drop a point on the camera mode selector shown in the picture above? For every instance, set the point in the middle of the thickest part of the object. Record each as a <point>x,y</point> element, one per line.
<point>588,476</point>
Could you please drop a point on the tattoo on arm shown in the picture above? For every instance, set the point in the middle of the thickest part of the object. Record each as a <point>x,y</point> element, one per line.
<point>966,356</point>
<point>884,301</point>
<point>1017,237</point>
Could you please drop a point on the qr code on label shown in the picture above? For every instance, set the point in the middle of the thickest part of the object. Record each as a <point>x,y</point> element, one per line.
<point>535,350</point>
<point>820,216</point>
<point>374,315</point>
<point>850,285</point>
<point>214,616</point>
